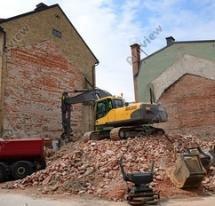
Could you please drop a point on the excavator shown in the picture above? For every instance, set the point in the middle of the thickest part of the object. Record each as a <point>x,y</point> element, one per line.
<point>114,118</point>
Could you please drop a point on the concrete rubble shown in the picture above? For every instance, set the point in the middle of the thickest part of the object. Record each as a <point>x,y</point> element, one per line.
<point>91,167</point>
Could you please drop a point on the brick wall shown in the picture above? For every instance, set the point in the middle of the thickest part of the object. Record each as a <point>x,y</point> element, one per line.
<point>38,68</point>
<point>1,69</point>
<point>35,79</point>
<point>38,27</point>
<point>190,103</point>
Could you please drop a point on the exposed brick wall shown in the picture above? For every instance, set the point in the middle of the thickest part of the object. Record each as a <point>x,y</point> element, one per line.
<point>35,79</point>
<point>190,103</point>
<point>39,67</point>
<point>1,69</point>
<point>37,27</point>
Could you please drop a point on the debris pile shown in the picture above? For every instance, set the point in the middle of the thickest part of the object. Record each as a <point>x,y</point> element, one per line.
<point>209,181</point>
<point>92,167</point>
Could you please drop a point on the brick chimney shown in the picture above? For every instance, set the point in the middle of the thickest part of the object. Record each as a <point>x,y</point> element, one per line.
<point>170,40</point>
<point>41,6</point>
<point>135,57</point>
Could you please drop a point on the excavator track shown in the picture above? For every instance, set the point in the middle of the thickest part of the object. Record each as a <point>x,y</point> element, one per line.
<point>120,133</point>
<point>129,132</point>
<point>97,135</point>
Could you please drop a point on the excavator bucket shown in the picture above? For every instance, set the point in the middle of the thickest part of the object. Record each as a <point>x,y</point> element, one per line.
<point>188,172</point>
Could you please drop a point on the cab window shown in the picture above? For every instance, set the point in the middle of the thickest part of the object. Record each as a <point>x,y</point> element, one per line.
<point>118,103</point>
<point>103,107</point>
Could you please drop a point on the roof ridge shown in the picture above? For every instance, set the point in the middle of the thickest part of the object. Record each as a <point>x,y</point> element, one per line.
<point>28,13</point>
<point>176,42</point>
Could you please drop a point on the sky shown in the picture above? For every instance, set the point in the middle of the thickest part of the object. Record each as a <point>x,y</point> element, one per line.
<point>110,26</point>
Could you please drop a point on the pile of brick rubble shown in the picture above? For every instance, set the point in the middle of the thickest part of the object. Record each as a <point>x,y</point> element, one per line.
<point>91,167</point>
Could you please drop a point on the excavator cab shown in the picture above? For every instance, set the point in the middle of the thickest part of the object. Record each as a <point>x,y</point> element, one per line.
<point>104,105</point>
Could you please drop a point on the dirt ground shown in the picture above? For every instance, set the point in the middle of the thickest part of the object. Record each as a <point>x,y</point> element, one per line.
<point>11,198</point>
<point>23,198</point>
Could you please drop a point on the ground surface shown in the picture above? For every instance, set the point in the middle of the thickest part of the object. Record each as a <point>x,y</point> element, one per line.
<point>23,199</point>
<point>20,199</point>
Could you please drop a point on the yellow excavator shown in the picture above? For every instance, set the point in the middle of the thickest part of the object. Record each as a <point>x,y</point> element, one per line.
<point>114,118</point>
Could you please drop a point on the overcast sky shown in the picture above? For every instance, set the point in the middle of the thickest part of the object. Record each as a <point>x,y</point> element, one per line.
<point>110,26</point>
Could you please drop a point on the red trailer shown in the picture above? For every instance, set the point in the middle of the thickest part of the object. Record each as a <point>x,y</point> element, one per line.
<point>21,157</point>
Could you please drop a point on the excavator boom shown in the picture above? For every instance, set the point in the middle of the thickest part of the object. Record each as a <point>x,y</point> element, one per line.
<point>66,102</point>
<point>85,96</point>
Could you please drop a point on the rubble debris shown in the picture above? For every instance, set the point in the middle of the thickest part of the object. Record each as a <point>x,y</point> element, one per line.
<point>91,167</point>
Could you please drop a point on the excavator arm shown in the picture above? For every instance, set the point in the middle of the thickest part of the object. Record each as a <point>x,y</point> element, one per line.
<point>84,96</point>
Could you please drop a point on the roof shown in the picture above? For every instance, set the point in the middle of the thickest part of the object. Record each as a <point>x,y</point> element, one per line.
<point>43,7</point>
<point>178,42</point>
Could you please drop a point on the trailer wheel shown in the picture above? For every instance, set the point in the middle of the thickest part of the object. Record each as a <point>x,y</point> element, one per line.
<point>43,164</point>
<point>21,169</point>
<point>3,171</point>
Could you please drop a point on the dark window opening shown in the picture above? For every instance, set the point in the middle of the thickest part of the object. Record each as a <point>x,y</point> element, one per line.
<point>56,33</point>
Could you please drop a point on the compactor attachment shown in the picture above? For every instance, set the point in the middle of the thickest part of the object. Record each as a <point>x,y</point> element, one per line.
<point>140,193</point>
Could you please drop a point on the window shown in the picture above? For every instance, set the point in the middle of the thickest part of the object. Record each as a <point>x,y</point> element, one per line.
<point>118,103</point>
<point>56,33</point>
<point>103,107</point>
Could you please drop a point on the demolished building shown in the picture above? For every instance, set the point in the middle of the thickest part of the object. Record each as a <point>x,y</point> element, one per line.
<point>41,56</point>
<point>181,76</point>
